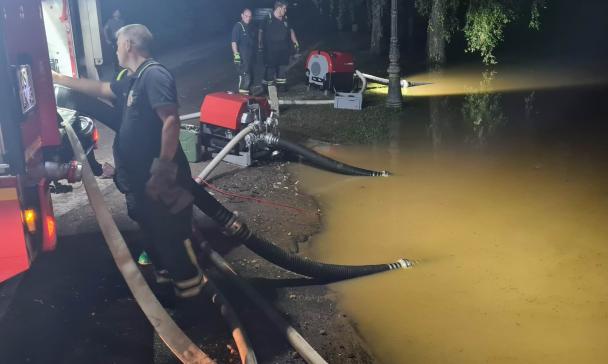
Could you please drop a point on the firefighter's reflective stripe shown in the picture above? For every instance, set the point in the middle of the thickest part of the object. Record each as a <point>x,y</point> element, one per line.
<point>14,257</point>
<point>281,81</point>
<point>121,74</point>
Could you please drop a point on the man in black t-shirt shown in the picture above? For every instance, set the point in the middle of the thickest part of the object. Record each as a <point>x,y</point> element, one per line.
<point>277,39</point>
<point>152,169</point>
<point>243,51</point>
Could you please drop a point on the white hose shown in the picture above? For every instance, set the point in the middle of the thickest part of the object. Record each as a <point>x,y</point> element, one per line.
<point>218,158</point>
<point>175,339</point>
<point>195,115</point>
<point>306,102</point>
<point>363,81</point>
<point>306,351</point>
<point>384,81</point>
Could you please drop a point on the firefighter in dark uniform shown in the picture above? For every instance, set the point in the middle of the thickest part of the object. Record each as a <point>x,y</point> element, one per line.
<point>243,51</point>
<point>277,40</point>
<point>152,169</point>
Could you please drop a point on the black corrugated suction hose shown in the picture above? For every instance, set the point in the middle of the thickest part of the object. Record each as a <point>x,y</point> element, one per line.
<point>324,162</point>
<point>276,255</point>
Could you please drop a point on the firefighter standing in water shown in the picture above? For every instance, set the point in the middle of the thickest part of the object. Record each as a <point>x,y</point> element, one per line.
<point>151,167</point>
<point>243,51</point>
<point>277,40</point>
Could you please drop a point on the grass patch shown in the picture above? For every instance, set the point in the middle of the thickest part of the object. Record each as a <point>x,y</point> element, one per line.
<point>323,122</point>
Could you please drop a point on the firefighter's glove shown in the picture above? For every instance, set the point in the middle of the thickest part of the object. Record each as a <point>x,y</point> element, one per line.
<point>162,186</point>
<point>237,58</point>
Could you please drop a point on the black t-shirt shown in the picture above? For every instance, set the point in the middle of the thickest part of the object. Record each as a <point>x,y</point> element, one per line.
<point>277,34</point>
<point>138,141</point>
<point>244,36</point>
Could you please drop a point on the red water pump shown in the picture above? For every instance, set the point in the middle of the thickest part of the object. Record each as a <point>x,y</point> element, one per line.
<point>224,115</point>
<point>330,70</point>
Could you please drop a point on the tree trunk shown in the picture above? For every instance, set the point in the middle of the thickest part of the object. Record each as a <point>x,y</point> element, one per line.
<point>436,35</point>
<point>319,5</point>
<point>333,6</point>
<point>378,7</point>
<point>354,27</point>
<point>341,14</point>
<point>368,6</point>
<point>410,11</point>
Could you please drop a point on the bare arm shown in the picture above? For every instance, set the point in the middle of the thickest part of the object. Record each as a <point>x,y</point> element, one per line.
<point>90,87</point>
<point>170,133</point>
<point>294,38</point>
<point>235,48</point>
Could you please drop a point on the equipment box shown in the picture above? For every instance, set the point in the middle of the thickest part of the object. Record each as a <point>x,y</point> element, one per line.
<point>350,101</point>
<point>189,138</point>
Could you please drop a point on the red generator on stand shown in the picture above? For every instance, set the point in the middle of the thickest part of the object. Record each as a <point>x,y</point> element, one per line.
<point>223,116</point>
<point>331,70</point>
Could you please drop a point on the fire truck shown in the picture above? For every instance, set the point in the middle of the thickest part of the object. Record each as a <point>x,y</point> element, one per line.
<point>35,156</point>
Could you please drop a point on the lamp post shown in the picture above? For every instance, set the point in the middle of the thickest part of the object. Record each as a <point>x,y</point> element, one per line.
<point>394,99</point>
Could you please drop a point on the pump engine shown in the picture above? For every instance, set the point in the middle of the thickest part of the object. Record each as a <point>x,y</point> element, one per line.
<point>224,115</point>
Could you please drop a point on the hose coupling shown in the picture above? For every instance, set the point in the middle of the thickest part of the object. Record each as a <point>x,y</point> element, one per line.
<point>72,171</point>
<point>270,139</point>
<point>401,264</point>
<point>383,174</point>
<point>236,226</point>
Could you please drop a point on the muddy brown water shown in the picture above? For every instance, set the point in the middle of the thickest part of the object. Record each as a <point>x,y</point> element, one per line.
<point>511,233</point>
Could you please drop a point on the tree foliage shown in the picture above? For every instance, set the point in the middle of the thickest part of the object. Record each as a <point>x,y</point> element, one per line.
<point>484,21</point>
<point>484,28</point>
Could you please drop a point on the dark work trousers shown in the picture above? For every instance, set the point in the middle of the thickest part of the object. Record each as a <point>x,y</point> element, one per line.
<point>164,233</point>
<point>275,75</point>
<point>245,70</point>
<point>167,234</point>
<point>275,67</point>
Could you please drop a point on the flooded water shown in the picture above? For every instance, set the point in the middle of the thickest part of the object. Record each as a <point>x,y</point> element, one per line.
<point>511,234</point>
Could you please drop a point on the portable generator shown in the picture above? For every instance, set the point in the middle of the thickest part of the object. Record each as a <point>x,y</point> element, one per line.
<point>330,70</point>
<point>224,115</point>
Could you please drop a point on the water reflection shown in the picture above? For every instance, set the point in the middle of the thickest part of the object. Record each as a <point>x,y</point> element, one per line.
<point>438,112</point>
<point>512,238</point>
<point>482,110</point>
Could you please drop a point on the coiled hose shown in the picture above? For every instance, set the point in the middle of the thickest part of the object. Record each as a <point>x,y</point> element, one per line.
<point>276,255</point>
<point>324,162</point>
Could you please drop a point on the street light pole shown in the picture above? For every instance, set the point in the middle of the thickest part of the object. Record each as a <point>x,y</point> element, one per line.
<point>394,99</point>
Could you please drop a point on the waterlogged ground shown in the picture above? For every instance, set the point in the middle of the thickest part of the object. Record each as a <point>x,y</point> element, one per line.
<point>508,222</point>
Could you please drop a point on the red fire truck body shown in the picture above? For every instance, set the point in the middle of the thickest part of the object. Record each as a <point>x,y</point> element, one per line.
<point>30,136</point>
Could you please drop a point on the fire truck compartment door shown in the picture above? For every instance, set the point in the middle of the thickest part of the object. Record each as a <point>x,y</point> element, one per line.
<point>90,25</point>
